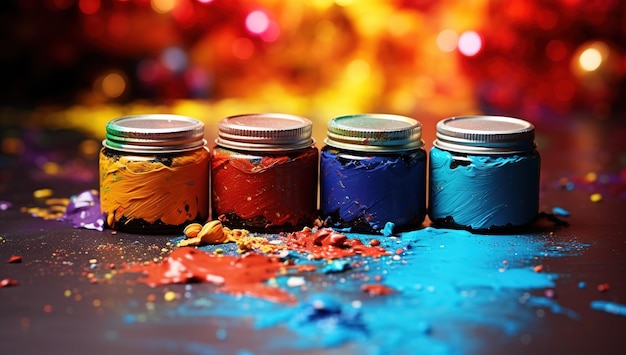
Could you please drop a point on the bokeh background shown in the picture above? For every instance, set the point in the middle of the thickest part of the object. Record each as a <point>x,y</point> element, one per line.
<point>76,64</point>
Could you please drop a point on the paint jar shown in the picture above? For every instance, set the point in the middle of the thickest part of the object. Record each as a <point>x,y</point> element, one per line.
<point>264,171</point>
<point>484,173</point>
<point>154,173</point>
<point>373,171</point>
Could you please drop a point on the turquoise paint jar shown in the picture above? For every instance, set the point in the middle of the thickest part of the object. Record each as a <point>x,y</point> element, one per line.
<point>484,173</point>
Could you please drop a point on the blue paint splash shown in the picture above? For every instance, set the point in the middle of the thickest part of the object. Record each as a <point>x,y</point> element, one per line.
<point>448,285</point>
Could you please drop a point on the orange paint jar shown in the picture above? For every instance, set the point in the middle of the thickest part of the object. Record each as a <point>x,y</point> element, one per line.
<point>154,173</point>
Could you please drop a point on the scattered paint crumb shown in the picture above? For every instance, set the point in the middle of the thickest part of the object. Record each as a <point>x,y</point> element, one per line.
<point>170,296</point>
<point>596,197</point>
<point>603,287</point>
<point>582,285</point>
<point>609,307</point>
<point>6,282</point>
<point>5,205</point>
<point>14,259</point>
<point>559,211</point>
<point>42,193</point>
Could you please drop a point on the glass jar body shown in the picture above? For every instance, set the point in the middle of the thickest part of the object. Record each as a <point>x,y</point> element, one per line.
<point>483,192</point>
<point>154,193</point>
<point>264,191</point>
<point>364,190</point>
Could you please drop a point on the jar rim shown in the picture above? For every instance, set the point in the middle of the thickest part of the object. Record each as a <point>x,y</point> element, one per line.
<point>154,133</point>
<point>265,132</point>
<point>374,132</point>
<point>485,134</point>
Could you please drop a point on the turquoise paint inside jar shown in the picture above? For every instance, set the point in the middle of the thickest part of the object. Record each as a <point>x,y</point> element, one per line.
<point>484,173</point>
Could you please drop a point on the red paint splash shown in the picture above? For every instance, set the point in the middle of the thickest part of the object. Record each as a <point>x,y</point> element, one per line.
<point>247,274</point>
<point>243,275</point>
<point>328,244</point>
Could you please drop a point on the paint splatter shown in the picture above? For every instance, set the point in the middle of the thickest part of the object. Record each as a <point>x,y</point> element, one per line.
<point>444,285</point>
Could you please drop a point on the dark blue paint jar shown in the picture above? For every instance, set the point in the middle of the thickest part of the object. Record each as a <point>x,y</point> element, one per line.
<point>484,173</point>
<point>372,172</point>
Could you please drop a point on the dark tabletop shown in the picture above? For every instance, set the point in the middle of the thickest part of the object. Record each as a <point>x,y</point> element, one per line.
<point>70,298</point>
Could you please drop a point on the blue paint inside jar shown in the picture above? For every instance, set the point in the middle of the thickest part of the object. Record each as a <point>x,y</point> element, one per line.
<point>484,173</point>
<point>373,173</point>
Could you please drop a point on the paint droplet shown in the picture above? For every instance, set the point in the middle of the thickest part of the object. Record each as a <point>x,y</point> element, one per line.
<point>591,176</point>
<point>559,211</point>
<point>604,287</point>
<point>595,197</point>
<point>42,193</point>
<point>15,259</point>
<point>374,242</point>
<point>47,308</point>
<point>582,284</point>
<point>170,296</point>
<point>538,268</point>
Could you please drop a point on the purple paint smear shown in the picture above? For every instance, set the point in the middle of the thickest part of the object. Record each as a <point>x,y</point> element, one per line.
<point>83,211</point>
<point>449,285</point>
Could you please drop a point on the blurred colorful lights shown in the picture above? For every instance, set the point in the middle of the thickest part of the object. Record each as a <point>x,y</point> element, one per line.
<point>470,43</point>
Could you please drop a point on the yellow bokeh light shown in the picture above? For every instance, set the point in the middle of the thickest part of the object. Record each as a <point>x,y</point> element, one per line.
<point>590,59</point>
<point>113,85</point>
<point>163,6</point>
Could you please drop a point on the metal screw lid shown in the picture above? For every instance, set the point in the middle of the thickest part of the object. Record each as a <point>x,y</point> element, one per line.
<point>374,133</point>
<point>485,135</point>
<point>265,132</point>
<point>154,133</point>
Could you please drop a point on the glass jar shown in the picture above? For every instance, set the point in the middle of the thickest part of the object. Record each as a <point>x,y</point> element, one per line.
<point>373,171</point>
<point>484,173</point>
<point>154,173</point>
<point>264,172</point>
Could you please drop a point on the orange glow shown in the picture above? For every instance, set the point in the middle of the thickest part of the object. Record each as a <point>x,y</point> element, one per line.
<point>243,48</point>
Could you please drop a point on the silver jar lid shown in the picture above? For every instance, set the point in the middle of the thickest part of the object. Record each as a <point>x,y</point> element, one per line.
<point>485,135</point>
<point>374,133</point>
<point>154,133</point>
<point>265,132</point>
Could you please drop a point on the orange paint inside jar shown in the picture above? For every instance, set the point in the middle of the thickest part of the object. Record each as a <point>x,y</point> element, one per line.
<point>154,174</point>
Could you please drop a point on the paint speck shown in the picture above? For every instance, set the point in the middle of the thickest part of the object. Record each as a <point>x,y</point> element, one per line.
<point>170,296</point>
<point>559,211</point>
<point>603,287</point>
<point>549,293</point>
<point>609,307</point>
<point>295,281</point>
<point>42,193</point>
<point>67,293</point>
<point>14,259</point>
<point>374,242</point>
<point>591,177</point>
<point>47,308</point>
<point>7,282</point>
<point>582,285</point>
<point>538,268</point>
<point>596,197</point>
<point>5,205</point>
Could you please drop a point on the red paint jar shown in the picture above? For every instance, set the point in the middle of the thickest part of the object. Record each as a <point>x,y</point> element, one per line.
<point>264,172</point>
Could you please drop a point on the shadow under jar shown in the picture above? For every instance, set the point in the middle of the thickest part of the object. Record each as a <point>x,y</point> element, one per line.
<point>154,173</point>
<point>484,173</point>
<point>264,170</point>
<point>373,172</point>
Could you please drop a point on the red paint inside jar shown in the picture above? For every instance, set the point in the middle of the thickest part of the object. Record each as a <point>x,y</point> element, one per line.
<point>265,192</point>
